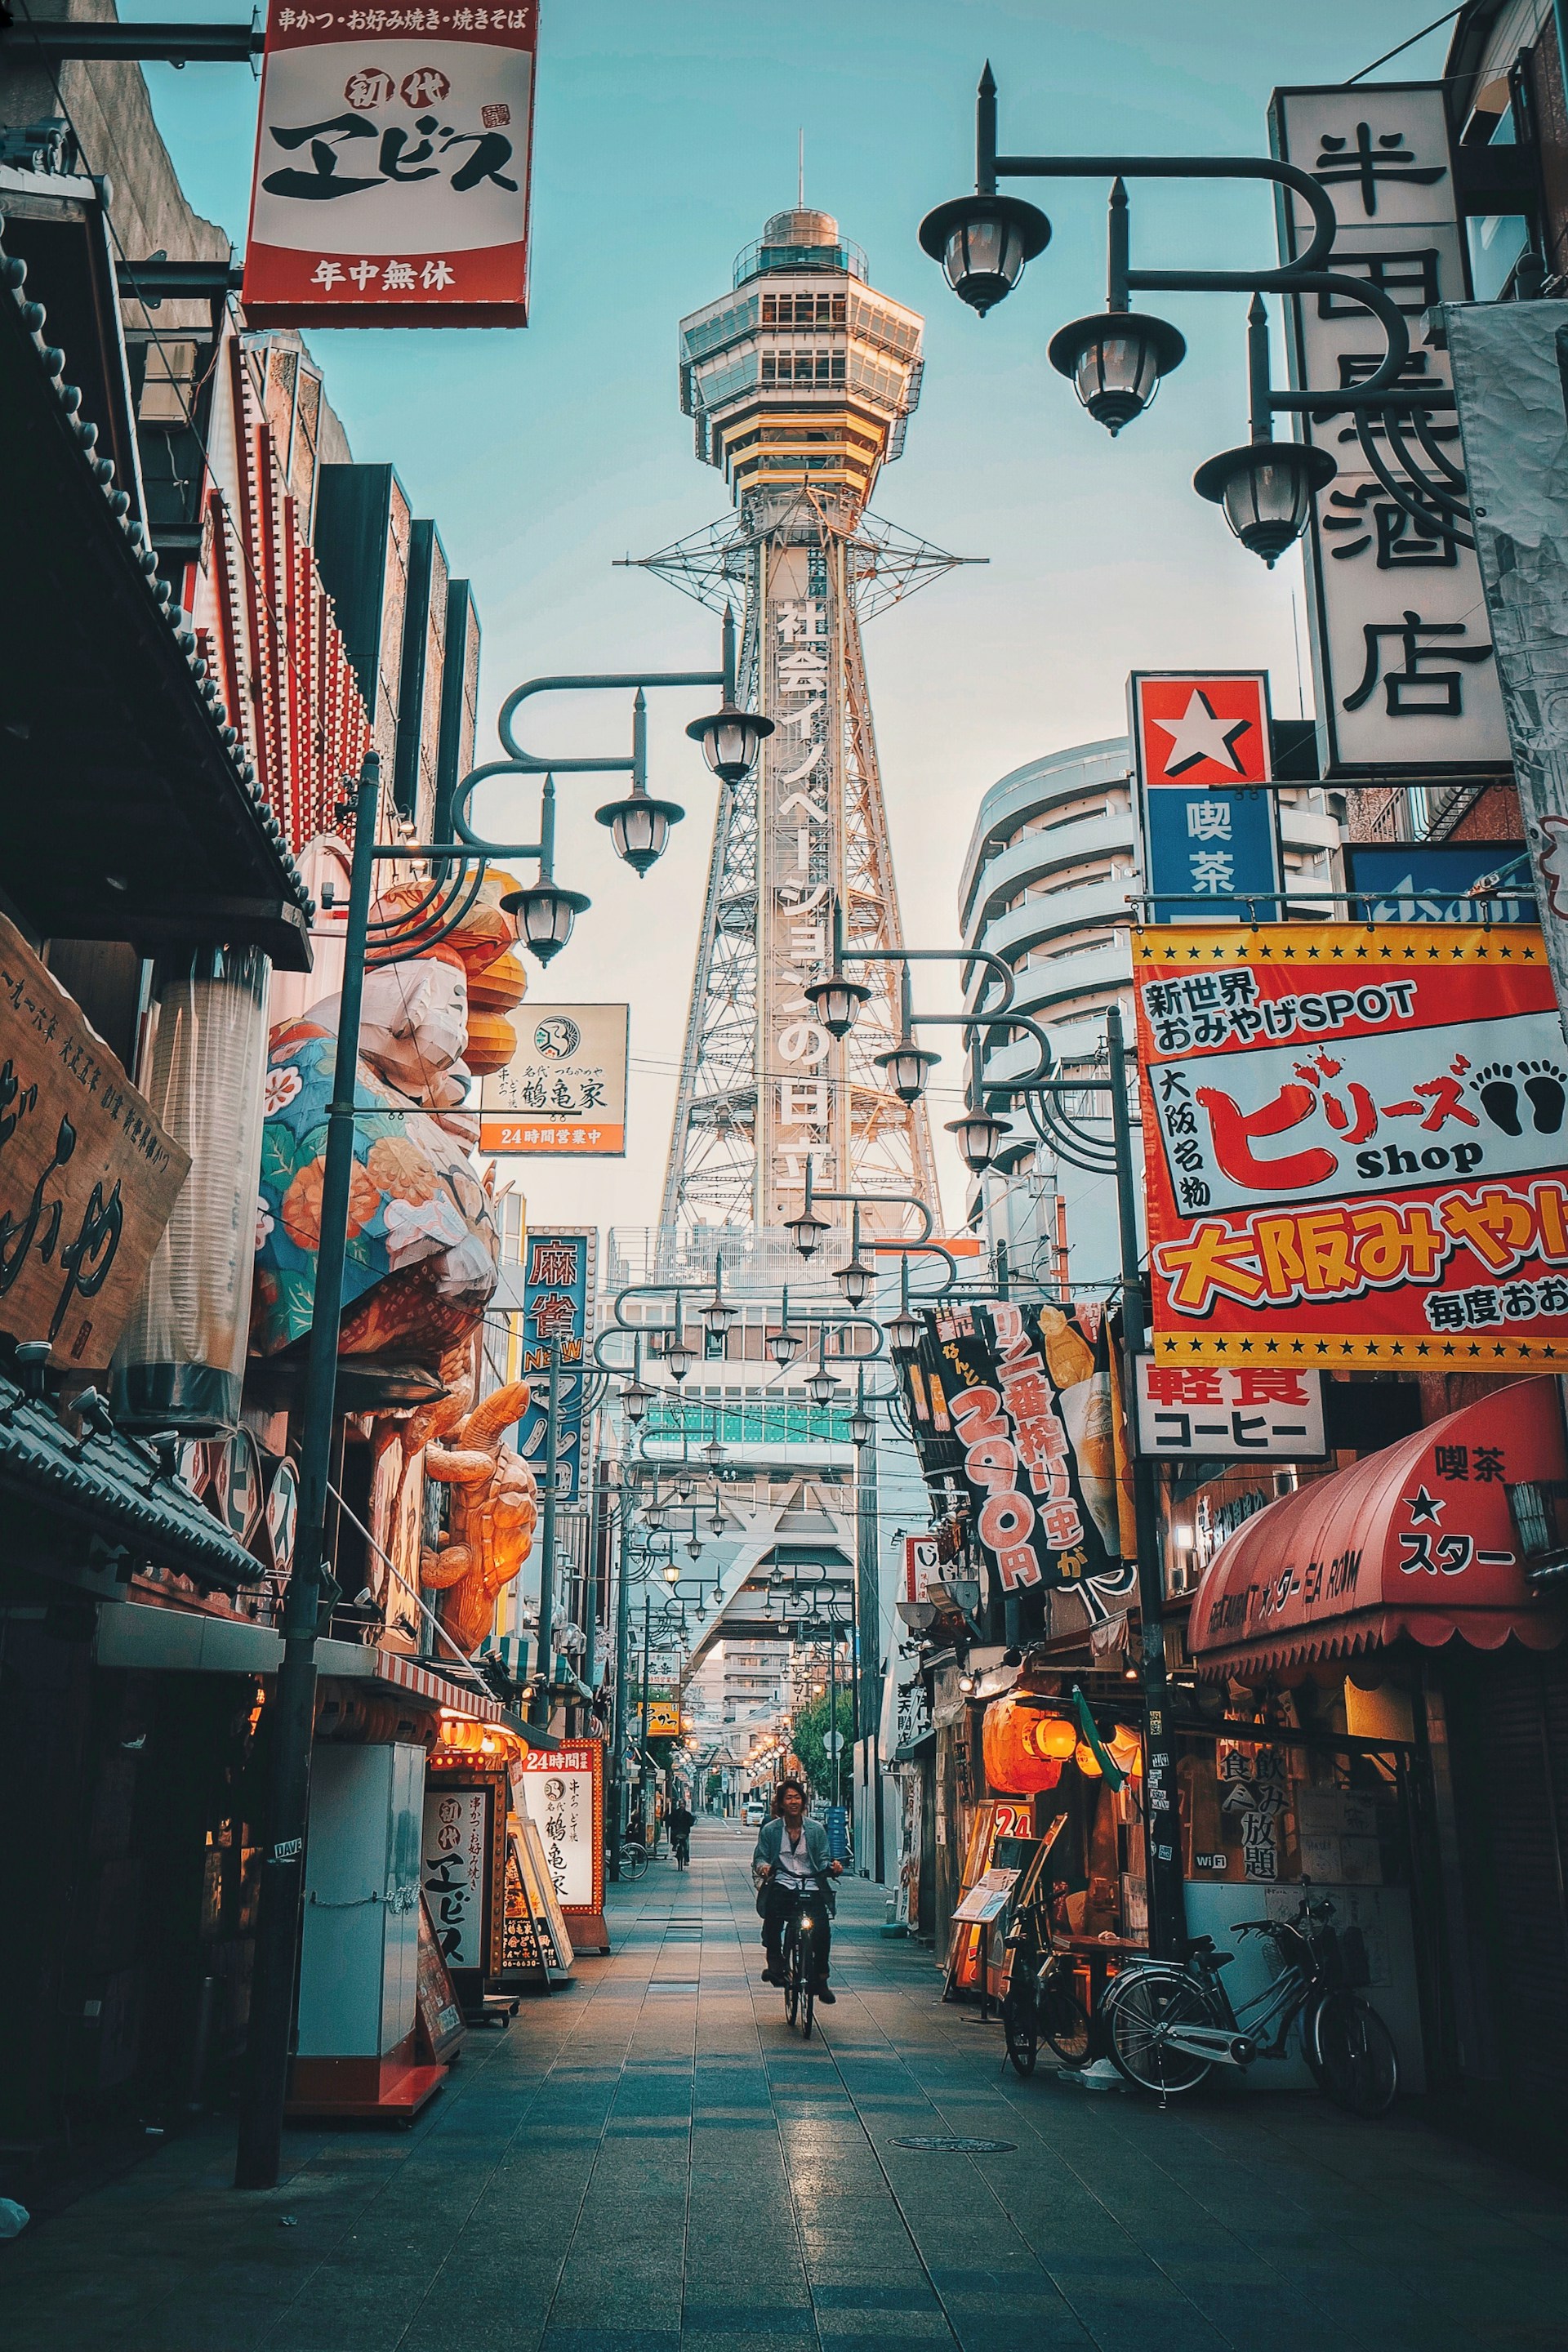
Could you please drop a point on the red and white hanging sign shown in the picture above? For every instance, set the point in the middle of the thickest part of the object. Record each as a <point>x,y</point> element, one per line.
<point>1193,729</point>
<point>393,160</point>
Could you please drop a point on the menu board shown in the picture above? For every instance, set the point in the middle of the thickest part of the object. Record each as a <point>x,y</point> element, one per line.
<point>440,2016</point>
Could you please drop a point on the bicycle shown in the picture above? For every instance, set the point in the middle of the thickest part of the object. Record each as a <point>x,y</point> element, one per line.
<point>680,1852</point>
<point>797,1953</point>
<point>1041,2000</point>
<point>634,1858</point>
<point>1169,2023</point>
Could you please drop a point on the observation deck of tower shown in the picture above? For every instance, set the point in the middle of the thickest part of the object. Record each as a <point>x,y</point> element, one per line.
<point>800,382</point>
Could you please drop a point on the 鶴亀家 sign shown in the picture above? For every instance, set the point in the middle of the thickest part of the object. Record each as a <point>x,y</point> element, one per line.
<point>564,1090</point>
<point>1354,1146</point>
<point>88,1176</point>
<point>393,155</point>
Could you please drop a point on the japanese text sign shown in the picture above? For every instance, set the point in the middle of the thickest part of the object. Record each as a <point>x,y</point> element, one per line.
<point>922,1566</point>
<point>1402,653</point>
<point>1264,1412</point>
<point>1354,1146</point>
<point>664,1719</point>
<point>88,1176</point>
<point>566,1802</point>
<point>392,159</point>
<point>1201,744</point>
<point>456,1858</point>
<point>557,1304</point>
<point>565,1088</point>
<point>1029,1392</point>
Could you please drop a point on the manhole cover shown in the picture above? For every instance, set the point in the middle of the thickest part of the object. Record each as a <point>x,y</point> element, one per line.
<point>961,2146</point>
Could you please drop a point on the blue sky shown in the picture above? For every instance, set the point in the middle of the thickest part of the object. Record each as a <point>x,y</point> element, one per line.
<point>666,133</point>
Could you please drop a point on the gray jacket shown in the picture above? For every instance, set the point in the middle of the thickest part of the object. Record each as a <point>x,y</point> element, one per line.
<point>770,1843</point>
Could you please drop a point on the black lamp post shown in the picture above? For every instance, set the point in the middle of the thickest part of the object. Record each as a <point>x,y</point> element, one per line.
<point>1116,359</point>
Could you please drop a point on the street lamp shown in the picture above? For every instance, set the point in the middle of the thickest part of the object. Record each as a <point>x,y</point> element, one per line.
<point>822,1387</point>
<point>838,1002</point>
<point>679,1357</point>
<point>806,1231</point>
<point>731,739</point>
<point>1266,491</point>
<point>903,1331</point>
<point>635,1400</point>
<point>1116,360</point>
<point>545,913</point>
<point>908,1067</point>
<point>854,1280</point>
<point>983,242</point>
<point>718,1317</point>
<point>979,1137</point>
<point>671,1573</point>
<point>860,1425</point>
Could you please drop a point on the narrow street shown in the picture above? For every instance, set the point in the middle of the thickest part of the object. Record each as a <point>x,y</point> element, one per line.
<point>649,2160</point>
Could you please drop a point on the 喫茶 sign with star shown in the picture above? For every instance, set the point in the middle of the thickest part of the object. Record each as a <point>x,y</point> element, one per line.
<point>393,160</point>
<point>1200,747</point>
<point>1354,1146</point>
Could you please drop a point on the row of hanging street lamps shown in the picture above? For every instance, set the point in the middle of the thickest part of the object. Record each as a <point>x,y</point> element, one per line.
<point>638,824</point>
<point>1117,359</point>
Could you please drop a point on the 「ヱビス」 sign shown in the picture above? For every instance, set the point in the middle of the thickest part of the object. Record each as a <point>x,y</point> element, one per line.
<point>1202,750</point>
<point>392,159</point>
<point>88,1176</point>
<point>564,1090</point>
<point>1354,1146</point>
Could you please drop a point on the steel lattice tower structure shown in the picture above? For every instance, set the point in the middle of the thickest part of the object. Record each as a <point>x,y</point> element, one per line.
<point>800,382</point>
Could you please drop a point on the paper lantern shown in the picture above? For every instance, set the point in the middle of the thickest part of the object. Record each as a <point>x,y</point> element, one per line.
<point>1013,1764</point>
<point>1055,1736</point>
<point>1086,1760</point>
<point>1125,1749</point>
<point>499,986</point>
<point>492,1042</point>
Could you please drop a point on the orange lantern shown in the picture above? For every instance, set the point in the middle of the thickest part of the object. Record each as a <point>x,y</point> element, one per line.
<point>1015,1765</point>
<point>1125,1749</point>
<point>1086,1760</point>
<point>1055,1736</point>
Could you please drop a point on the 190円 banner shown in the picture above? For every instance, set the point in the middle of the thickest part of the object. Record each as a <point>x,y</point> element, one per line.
<point>1354,1145</point>
<point>392,158</point>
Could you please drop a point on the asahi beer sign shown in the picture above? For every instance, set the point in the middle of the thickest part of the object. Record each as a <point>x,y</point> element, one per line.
<point>393,156</point>
<point>564,1090</point>
<point>1401,649</point>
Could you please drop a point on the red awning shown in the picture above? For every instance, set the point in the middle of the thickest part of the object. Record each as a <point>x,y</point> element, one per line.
<point>1416,1539</point>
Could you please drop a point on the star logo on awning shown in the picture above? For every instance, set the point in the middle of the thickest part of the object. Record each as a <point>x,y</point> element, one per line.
<point>1425,1509</point>
<point>1200,734</point>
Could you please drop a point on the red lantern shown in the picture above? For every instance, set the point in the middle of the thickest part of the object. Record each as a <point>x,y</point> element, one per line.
<point>1015,1766</point>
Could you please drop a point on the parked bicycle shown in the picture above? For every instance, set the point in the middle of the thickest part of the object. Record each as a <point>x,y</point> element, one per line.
<point>634,1858</point>
<point>1041,2002</point>
<point>797,1953</point>
<point>1168,2024</point>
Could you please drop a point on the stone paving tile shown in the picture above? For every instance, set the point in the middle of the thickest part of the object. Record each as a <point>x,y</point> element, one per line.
<point>647,2162</point>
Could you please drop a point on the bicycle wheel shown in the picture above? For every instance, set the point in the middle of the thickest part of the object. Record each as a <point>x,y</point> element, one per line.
<point>1063,2021</point>
<point>634,1860</point>
<point>1358,2065</point>
<point>789,1953</point>
<point>1146,2007</point>
<point>1018,2024</point>
<point>799,1972</point>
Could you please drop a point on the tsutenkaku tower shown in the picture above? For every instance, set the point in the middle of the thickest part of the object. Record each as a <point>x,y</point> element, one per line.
<point>800,381</point>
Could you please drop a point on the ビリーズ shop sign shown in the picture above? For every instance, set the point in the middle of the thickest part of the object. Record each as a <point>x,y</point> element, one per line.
<point>1356,1144</point>
<point>393,160</point>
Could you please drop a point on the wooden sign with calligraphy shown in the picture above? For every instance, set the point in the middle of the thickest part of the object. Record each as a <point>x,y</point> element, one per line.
<point>88,1176</point>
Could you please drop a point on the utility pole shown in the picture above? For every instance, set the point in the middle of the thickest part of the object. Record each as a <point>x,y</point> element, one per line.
<point>292,1708</point>
<point>642,1756</point>
<point>1167,1905</point>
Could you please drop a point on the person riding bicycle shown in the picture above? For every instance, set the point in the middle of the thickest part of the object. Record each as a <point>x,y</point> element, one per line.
<point>792,1860</point>
<point>678,1821</point>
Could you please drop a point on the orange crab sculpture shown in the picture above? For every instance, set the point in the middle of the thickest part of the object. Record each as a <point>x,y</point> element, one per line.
<point>494,1505</point>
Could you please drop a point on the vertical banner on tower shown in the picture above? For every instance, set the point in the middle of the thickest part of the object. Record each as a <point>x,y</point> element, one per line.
<point>1353,1149</point>
<point>801,1112</point>
<point>1402,652</point>
<point>559,1266</point>
<point>1202,750</point>
<point>393,157</point>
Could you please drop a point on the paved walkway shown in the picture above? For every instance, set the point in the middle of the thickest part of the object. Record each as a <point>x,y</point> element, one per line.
<point>648,2162</point>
